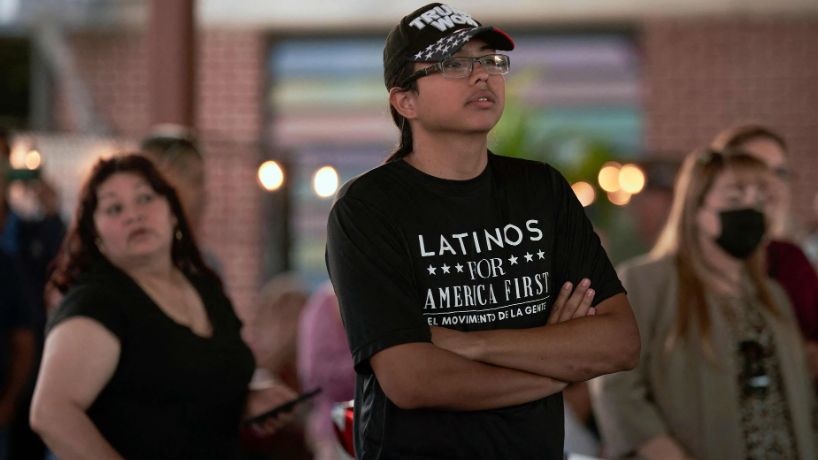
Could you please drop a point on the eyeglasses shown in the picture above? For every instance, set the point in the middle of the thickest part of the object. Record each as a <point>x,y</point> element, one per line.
<point>462,67</point>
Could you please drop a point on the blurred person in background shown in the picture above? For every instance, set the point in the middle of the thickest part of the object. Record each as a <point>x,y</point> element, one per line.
<point>324,361</point>
<point>272,335</point>
<point>31,231</point>
<point>17,342</point>
<point>143,357</point>
<point>787,263</point>
<point>722,374</point>
<point>176,153</point>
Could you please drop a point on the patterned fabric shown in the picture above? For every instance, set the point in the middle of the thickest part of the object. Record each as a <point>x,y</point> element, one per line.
<point>765,419</point>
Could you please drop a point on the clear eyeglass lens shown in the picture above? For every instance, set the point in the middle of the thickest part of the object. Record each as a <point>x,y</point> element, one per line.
<point>459,67</point>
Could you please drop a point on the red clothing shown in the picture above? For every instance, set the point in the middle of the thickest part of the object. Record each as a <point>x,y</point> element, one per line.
<point>788,265</point>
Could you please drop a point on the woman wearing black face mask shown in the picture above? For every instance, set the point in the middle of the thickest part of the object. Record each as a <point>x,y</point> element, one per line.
<point>722,372</point>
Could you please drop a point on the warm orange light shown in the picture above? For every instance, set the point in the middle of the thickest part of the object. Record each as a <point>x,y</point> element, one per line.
<point>270,176</point>
<point>609,176</point>
<point>18,156</point>
<point>631,179</point>
<point>33,160</point>
<point>585,193</point>
<point>619,198</point>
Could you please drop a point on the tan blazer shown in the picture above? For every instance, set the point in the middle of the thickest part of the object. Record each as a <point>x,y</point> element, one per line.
<point>681,393</point>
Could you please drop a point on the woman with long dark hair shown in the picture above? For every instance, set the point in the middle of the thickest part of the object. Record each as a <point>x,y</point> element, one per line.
<point>143,357</point>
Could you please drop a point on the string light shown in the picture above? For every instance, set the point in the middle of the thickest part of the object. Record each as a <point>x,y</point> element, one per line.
<point>270,176</point>
<point>325,182</point>
<point>585,193</point>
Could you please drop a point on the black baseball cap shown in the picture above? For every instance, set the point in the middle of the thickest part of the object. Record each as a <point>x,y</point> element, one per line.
<point>433,33</point>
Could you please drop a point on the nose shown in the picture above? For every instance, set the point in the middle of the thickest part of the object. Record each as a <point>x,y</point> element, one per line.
<point>133,214</point>
<point>478,72</point>
<point>756,197</point>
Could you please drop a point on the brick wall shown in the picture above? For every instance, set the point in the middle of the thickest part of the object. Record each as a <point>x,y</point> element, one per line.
<point>228,109</point>
<point>229,105</point>
<point>114,71</point>
<point>701,75</point>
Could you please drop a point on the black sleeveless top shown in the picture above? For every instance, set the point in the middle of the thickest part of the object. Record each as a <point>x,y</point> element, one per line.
<point>174,394</point>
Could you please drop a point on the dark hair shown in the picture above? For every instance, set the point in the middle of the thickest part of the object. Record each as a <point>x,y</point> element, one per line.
<point>737,136</point>
<point>394,80</point>
<point>79,251</point>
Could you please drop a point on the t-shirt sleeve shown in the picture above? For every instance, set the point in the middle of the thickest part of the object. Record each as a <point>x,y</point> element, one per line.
<point>371,272</point>
<point>94,302</point>
<point>578,250</point>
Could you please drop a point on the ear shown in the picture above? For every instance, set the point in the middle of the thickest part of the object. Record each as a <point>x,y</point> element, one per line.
<point>404,100</point>
<point>99,245</point>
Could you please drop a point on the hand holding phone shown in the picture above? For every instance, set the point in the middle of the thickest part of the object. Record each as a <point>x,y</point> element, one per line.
<point>282,408</point>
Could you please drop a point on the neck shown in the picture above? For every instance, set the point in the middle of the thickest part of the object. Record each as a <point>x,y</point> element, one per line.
<point>150,269</point>
<point>727,269</point>
<point>449,156</point>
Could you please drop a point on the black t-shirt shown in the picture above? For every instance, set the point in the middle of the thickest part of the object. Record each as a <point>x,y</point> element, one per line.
<point>406,250</point>
<point>174,394</point>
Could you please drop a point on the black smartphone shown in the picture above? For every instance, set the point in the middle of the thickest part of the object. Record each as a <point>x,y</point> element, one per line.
<point>284,407</point>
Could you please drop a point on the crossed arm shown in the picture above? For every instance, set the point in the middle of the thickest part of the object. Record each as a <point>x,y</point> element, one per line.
<point>574,346</point>
<point>500,368</point>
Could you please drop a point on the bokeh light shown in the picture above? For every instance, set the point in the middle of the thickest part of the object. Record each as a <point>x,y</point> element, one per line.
<point>609,176</point>
<point>270,176</point>
<point>325,182</point>
<point>619,198</point>
<point>585,193</point>
<point>631,179</point>
<point>33,159</point>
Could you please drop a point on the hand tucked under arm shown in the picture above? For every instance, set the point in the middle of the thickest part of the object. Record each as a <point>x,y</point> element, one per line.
<point>570,303</point>
<point>572,350</point>
<point>421,375</point>
<point>662,448</point>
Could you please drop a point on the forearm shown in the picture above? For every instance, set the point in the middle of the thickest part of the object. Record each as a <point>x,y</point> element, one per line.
<point>436,378</point>
<point>571,351</point>
<point>662,448</point>
<point>69,433</point>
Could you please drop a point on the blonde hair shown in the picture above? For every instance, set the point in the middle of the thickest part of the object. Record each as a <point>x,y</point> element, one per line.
<point>680,239</point>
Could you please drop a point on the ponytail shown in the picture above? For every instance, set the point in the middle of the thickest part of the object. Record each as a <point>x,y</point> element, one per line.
<point>405,145</point>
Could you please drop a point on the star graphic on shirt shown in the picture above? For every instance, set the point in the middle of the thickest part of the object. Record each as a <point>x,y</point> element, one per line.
<point>445,268</point>
<point>431,269</point>
<point>512,260</point>
<point>458,267</point>
<point>540,254</point>
<point>529,257</point>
